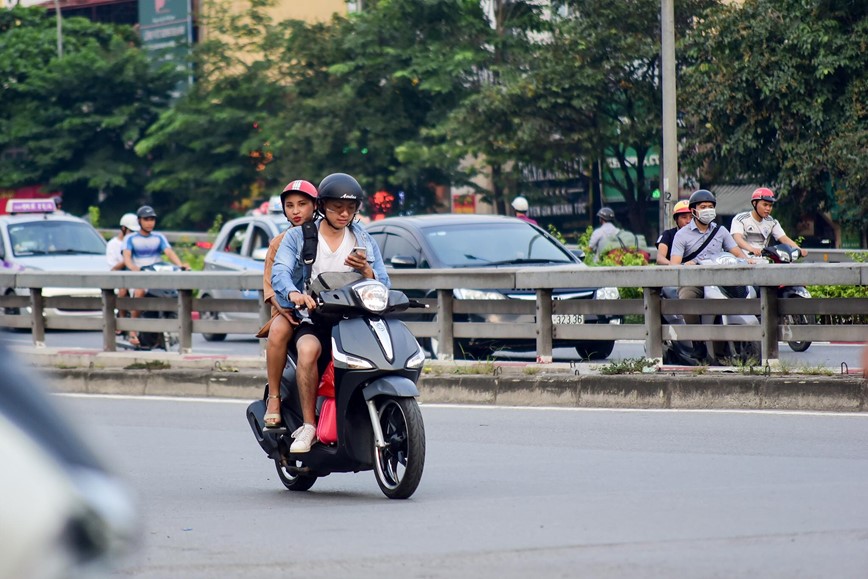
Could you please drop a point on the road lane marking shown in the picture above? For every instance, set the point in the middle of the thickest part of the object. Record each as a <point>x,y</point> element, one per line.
<point>495,407</point>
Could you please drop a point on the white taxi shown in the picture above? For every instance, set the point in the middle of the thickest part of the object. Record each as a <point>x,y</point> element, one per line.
<point>34,236</point>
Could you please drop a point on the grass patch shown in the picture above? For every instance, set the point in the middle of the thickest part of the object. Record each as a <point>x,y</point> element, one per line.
<point>149,365</point>
<point>816,371</point>
<point>531,370</point>
<point>627,366</point>
<point>483,368</point>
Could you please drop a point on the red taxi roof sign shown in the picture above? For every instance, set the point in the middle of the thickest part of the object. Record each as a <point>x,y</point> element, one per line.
<point>30,206</point>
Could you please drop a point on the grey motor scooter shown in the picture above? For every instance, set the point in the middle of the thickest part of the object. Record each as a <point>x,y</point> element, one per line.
<point>377,363</point>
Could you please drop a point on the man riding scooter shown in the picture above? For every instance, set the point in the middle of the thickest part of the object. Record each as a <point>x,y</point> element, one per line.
<point>754,230</point>
<point>699,240</point>
<point>342,246</point>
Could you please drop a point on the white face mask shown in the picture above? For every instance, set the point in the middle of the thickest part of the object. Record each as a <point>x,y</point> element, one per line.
<point>706,216</point>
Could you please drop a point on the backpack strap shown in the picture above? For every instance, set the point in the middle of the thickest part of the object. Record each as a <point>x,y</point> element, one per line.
<point>310,236</point>
<point>708,239</point>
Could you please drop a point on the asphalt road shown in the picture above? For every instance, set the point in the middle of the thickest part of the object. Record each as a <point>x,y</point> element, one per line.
<point>506,493</point>
<point>819,354</point>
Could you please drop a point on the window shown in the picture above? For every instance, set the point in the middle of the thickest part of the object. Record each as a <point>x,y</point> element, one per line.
<point>261,239</point>
<point>235,239</point>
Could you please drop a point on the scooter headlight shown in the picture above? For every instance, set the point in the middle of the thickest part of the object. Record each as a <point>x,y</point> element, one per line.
<point>417,360</point>
<point>373,295</point>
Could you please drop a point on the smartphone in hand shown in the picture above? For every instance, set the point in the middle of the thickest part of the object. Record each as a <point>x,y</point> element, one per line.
<point>360,251</point>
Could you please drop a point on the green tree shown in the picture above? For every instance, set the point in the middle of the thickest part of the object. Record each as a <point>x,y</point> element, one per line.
<point>210,154</point>
<point>776,93</point>
<point>71,123</point>
<point>366,90</point>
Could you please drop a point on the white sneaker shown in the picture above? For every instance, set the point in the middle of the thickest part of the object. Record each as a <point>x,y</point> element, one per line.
<point>304,437</point>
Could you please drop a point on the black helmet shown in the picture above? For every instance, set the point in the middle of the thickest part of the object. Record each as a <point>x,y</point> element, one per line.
<point>606,213</point>
<point>340,186</point>
<point>146,211</point>
<point>701,196</point>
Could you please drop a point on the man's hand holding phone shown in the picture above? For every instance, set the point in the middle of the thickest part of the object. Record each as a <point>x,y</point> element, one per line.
<point>358,261</point>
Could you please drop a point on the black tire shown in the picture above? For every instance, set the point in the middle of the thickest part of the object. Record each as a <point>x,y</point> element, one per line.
<point>211,316</point>
<point>595,350</point>
<point>398,466</point>
<point>804,320</point>
<point>298,482</point>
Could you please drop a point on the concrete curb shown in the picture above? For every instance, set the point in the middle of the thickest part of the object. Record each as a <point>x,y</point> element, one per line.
<point>556,385</point>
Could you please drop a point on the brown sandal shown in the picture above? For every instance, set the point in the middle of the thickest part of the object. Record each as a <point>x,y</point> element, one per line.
<point>272,420</point>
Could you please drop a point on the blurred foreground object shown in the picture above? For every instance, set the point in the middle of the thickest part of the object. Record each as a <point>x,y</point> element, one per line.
<point>62,513</point>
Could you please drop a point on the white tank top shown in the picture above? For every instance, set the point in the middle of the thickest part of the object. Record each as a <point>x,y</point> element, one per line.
<point>333,261</point>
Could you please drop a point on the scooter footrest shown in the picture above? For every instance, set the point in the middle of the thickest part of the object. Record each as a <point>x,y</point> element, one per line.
<point>274,430</point>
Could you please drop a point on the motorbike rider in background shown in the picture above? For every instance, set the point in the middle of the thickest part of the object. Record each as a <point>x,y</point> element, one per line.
<point>753,230</point>
<point>606,229</point>
<point>682,216</point>
<point>339,199</point>
<point>520,208</point>
<point>146,247</point>
<point>298,200</point>
<point>114,251</point>
<point>689,239</point>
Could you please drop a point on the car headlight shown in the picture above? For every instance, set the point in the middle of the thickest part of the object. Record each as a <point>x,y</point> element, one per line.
<point>607,293</point>
<point>472,294</point>
<point>417,360</point>
<point>373,295</point>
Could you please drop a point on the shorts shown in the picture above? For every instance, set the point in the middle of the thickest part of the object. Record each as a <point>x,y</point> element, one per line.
<point>322,332</point>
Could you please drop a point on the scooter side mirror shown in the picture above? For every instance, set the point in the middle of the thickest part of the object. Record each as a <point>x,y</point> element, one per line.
<point>398,300</point>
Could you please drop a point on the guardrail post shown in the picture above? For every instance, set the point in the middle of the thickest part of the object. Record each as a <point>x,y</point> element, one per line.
<point>37,320</point>
<point>544,326</point>
<point>653,324</point>
<point>444,319</point>
<point>185,317</point>
<point>110,325</point>
<point>769,321</point>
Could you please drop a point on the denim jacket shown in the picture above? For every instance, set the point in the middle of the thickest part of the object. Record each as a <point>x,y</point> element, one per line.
<point>288,273</point>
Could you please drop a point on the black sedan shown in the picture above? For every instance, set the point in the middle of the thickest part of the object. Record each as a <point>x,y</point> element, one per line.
<point>456,241</point>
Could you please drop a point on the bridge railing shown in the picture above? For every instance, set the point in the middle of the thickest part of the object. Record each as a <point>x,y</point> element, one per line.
<point>40,302</point>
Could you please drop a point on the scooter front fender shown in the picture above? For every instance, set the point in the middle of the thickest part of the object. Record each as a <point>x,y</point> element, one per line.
<point>399,386</point>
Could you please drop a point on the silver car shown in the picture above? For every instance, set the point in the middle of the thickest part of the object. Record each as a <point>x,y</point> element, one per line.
<point>35,237</point>
<point>240,246</point>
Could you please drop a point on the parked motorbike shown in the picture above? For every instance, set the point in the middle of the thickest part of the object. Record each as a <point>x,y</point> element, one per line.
<point>725,352</point>
<point>164,340</point>
<point>377,363</point>
<point>784,253</point>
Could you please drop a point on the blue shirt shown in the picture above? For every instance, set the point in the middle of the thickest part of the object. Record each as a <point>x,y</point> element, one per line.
<point>287,275</point>
<point>689,238</point>
<point>146,249</point>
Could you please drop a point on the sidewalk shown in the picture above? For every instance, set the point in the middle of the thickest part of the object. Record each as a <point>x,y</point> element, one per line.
<point>461,382</point>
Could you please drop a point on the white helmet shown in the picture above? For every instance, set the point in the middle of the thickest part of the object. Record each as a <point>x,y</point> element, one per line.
<point>130,221</point>
<point>519,204</point>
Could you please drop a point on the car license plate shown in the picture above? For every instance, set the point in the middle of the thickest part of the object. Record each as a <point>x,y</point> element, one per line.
<point>568,319</point>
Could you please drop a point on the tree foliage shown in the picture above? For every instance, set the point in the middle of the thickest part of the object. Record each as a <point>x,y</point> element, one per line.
<point>777,93</point>
<point>71,123</point>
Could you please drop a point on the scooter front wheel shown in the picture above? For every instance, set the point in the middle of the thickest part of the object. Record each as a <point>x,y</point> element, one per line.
<point>398,465</point>
<point>294,482</point>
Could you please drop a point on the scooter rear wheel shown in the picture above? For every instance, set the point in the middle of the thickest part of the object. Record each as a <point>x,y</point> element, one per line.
<point>398,466</point>
<point>297,482</point>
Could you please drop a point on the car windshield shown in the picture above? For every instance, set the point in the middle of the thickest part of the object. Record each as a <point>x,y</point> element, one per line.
<point>493,244</point>
<point>54,238</point>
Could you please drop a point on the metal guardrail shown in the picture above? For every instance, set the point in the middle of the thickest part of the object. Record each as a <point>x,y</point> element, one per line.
<point>42,296</point>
